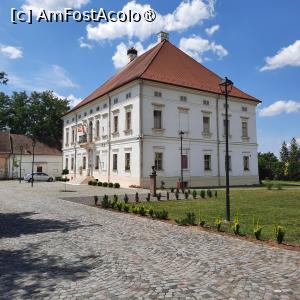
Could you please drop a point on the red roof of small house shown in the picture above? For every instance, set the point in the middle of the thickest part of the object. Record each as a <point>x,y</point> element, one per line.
<point>5,145</point>
<point>167,64</point>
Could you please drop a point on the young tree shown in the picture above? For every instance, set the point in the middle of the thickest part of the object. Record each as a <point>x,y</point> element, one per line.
<point>3,78</point>
<point>284,153</point>
<point>294,160</point>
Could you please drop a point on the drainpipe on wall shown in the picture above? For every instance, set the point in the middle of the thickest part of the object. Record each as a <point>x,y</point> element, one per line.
<point>218,139</point>
<point>109,137</point>
<point>75,146</point>
<point>141,132</point>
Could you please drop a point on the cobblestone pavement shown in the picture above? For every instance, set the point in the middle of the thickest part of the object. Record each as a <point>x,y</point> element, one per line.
<point>56,249</point>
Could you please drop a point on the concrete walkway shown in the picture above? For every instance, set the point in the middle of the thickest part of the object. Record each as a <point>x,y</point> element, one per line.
<point>56,249</point>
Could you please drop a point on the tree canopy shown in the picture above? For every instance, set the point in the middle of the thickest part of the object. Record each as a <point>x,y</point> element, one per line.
<point>38,114</point>
<point>3,78</point>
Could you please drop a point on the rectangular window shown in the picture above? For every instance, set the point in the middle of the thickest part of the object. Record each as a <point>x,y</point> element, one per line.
<point>183,98</point>
<point>158,161</point>
<point>246,163</point>
<point>127,161</point>
<point>244,129</point>
<point>184,159</point>
<point>224,123</point>
<point>157,94</point>
<point>72,163</point>
<point>97,128</point>
<point>205,102</point>
<point>128,120</point>
<point>229,162</point>
<point>128,95</point>
<point>116,124</point>
<point>97,161</point>
<point>39,169</point>
<point>67,163</point>
<point>206,125</point>
<point>244,108</point>
<point>73,135</point>
<point>207,162</point>
<point>115,162</point>
<point>116,100</point>
<point>67,137</point>
<point>83,162</point>
<point>157,119</point>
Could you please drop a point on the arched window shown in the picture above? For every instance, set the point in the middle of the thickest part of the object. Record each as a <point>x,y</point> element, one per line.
<point>97,128</point>
<point>90,131</point>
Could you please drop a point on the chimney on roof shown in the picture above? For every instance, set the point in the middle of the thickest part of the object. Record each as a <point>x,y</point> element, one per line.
<point>132,53</point>
<point>161,36</point>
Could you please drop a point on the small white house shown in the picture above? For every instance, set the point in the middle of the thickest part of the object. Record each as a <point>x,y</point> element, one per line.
<point>133,120</point>
<point>16,154</point>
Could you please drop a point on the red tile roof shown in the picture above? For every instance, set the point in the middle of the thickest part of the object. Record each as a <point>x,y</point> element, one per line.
<point>165,63</point>
<point>5,145</point>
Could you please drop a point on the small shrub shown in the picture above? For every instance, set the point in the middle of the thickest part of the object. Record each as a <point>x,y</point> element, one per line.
<point>181,222</point>
<point>209,193</point>
<point>201,220</point>
<point>189,191</point>
<point>279,233</point>
<point>177,195</point>
<point>110,185</point>
<point>158,196</point>
<point>162,185</point>
<point>135,209</point>
<point>202,194</point>
<point>105,202</point>
<point>116,185</point>
<point>194,194</point>
<point>113,204</point>
<point>96,200</point>
<point>191,218</point>
<point>126,207</point>
<point>99,183</point>
<point>126,198</point>
<point>216,194</point>
<point>151,212</point>
<point>119,205</point>
<point>148,197</point>
<point>279,187</point>
<point>257,230</point>
<point>142,210</point>
<point>269,185</point>
<point>95,183</point>
<point>89,183</point>
<point>186,195</point>
<point>115,197</point>
<point>163,215</point>
<point>105,184</point>
<point>137,199</point>
<point>168,196</point>
<point>236,225</point>
<point>218,223</point>
<point>172,190</point>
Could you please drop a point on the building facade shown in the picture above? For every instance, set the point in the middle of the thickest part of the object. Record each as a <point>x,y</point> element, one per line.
<point>16,157</point>
<point>119,132</point>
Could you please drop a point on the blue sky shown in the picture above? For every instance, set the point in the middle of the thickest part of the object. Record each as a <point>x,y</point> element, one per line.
<point>255,43</point>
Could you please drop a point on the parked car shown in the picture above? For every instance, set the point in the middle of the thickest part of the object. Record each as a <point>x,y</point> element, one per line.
<point>38,176</point>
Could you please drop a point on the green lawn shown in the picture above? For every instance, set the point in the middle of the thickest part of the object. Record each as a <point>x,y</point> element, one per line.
<point>270,206</point>
<point>282,183</point>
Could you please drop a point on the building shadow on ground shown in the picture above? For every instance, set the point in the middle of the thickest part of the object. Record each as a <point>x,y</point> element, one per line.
<point>30,272</point>
<point>16,224</point>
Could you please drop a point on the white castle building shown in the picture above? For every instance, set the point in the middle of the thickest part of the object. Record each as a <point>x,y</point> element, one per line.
<point>133,120</point>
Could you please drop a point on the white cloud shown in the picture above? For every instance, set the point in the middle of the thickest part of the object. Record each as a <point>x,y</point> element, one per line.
<point>120,58</point>
<point>52,5</point>
<point>83,44</point>
<point>196,46</point>
<point>212,30</point>
<point>187,14</point>
<point>288,56</point>
<point>73,99</point>
<point>11,52</point>
<point>280,107</point>
<point>51,78</point>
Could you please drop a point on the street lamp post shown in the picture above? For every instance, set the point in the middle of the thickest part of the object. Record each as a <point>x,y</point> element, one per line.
<point>226,86</point>
<point>21,152</point>
<point>181,133</point>
<point>32,166</point>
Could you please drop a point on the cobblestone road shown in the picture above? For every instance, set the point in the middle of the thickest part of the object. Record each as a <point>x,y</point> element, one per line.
<point>55,249</point>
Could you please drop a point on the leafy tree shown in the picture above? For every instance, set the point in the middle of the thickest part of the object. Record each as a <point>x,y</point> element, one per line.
<point>294,160</point>
<point>3,78</point>
<point>284,153</point>
<point>4,107</point>
<point>267,165</point>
